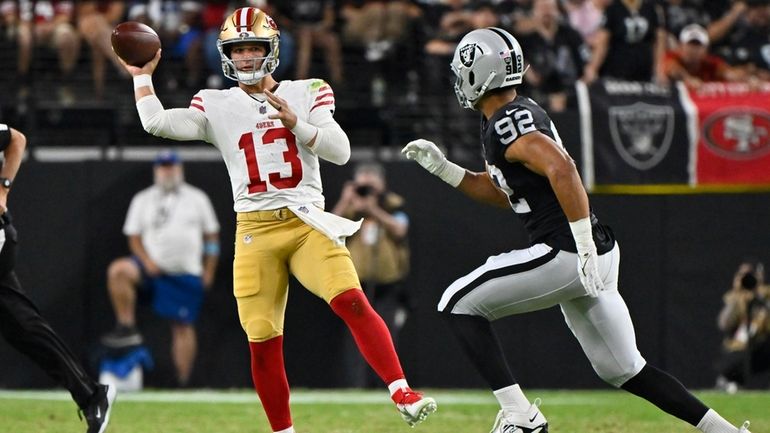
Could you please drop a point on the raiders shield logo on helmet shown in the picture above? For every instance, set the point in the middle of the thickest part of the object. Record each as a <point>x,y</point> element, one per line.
<point>468,54</point>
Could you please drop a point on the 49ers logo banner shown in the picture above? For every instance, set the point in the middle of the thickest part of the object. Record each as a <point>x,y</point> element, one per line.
<point>733,134</point>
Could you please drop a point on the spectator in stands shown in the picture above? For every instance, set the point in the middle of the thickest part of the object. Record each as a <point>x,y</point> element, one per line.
<point>692,63</point>
<point>555,56</point>
<point>631,43</point>
<point>173,237</point>
<point>46,23</point>
<point>748,44</point>
<point>680,13</point>
<point>745,322</point>
<point>181,32</point>
<point>585,16</point>
<point>380,249</point>
<point>312,22</point>
<point>96,19</point>
<point>724,16</point>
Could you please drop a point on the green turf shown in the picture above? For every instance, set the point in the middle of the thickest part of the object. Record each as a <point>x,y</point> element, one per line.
<point>367,412</point>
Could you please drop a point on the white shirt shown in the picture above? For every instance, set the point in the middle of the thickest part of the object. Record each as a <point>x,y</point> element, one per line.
<point>172,225</point>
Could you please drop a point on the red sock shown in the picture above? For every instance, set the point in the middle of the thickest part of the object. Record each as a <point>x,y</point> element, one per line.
<point>370,333</point>
<point>270,381</point>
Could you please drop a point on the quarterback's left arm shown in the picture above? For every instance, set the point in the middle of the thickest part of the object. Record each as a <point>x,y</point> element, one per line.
<point>542,155</point>
<point>322,135</point>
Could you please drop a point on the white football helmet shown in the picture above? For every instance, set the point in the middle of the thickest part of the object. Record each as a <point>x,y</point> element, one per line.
<point>249,25</point>
<point>486,59</point>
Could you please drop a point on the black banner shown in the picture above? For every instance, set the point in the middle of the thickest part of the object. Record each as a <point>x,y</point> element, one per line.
<point>633,133</point>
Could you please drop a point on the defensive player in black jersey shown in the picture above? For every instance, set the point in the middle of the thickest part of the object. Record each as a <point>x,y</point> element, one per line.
<point>20,321</point>
<point>572,261</point>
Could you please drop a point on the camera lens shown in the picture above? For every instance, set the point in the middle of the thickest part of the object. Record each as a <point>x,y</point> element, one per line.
<point>363,190</point>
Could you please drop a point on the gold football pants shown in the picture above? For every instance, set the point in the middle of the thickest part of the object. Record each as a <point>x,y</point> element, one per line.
<point>269,245</point>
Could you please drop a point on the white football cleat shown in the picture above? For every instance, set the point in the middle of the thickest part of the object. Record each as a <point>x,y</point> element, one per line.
<point>414,408</point>
<point>531,421</point>
<point>745,427</point>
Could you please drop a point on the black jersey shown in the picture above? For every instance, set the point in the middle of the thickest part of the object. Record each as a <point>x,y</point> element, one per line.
<point>530,194</point>
<point>632,40</point>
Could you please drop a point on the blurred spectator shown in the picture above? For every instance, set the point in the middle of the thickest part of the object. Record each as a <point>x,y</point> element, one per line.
<point>585,16</point>
<point>745,322</point>
<point>181,31</point>
<point>312,23</point>
<point>455,18</point>
<point>631,43</point>
<point>380,249</point>
<point>748,43</point>
<point>554,55</point>
<point>724,16</point>
<point>44,23</point>
<point>96,19</point>
<point>388,37</point>
<point>692,63</point>
<point>173,236</point>
<point>680,13</point>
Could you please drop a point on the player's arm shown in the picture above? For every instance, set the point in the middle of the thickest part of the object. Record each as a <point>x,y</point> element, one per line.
<point>12,143</point>
<point>477,186</point>
<point>542,155</point>
<point>176,123</point>
<point>321,133</point>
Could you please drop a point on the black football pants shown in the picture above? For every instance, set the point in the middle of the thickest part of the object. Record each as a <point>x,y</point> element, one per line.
<point>26,330</point>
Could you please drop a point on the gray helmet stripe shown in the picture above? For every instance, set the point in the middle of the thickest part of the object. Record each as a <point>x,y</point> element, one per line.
<point>502,35</point>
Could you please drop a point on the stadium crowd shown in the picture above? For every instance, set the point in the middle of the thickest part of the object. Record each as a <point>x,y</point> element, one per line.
<point>388,60</point>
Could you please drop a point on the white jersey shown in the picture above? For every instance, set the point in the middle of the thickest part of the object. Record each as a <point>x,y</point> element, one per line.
<point>172,225</point>
<point>268,168</point>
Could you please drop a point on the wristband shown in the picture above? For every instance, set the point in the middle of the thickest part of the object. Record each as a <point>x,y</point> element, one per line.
<point>304,131</point>
<point>451,173</point>
<point>142,81</point>
<point>581,231</point>
<point>211,248</point>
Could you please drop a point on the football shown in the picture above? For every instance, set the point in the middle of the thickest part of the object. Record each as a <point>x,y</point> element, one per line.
<point>135,43</point>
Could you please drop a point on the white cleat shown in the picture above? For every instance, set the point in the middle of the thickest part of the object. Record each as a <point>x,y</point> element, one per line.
<point>413,407</point>
<point>531,421</point>
<point>745,427</point>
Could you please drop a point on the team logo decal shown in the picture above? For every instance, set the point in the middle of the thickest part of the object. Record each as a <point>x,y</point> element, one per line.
<point>468,55</point>
<point>738,133</point>
<point>642,133</point>
<point>271,25</point>
<point>244,35</point>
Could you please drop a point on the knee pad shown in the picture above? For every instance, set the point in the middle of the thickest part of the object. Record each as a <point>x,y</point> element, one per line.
<point>616,373</point>
<point>258,330</point>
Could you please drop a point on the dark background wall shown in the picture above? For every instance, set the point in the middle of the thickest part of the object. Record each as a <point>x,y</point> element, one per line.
<point>679,255</point>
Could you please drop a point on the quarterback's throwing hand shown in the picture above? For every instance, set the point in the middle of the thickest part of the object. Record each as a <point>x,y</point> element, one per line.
<point>588,270</point>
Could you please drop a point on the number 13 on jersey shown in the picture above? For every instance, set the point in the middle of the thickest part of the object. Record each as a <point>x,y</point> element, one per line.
<point>248,144</point>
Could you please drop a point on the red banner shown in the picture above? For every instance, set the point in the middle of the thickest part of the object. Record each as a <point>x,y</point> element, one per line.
<point>733,143</point>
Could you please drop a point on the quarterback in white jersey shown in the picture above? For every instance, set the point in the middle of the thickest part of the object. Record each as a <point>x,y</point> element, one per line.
<point>271,135</point>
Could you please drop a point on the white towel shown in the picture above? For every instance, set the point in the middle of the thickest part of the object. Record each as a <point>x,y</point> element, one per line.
<point>332,226</point>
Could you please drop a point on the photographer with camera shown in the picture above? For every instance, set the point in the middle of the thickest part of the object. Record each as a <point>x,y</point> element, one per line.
<point>745,322</point>
<point>380,249</point>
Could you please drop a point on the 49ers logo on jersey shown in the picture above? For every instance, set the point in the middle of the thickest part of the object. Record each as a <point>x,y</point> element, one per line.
<point>738,133</point>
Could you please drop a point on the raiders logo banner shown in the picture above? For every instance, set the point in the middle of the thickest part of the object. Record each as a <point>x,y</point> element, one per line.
<point>633,133</point>
<point>733,123</point>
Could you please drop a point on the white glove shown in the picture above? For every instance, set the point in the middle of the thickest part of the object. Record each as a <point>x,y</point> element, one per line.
<point>588,258</point>
<point>588,270</point>
<point>428,155</point>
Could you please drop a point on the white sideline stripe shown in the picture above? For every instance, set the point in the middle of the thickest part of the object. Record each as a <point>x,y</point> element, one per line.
<point>299,397</point>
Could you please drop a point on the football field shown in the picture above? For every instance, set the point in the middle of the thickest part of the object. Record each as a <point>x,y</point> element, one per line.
<point>362,411</point>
